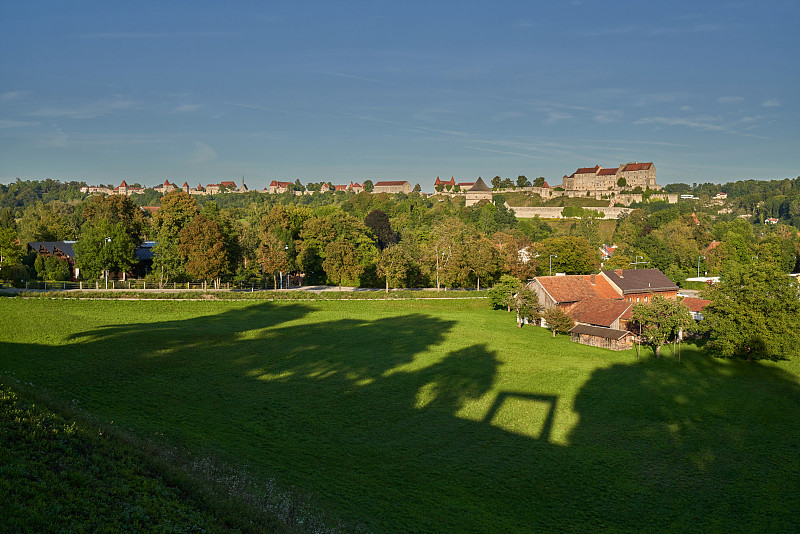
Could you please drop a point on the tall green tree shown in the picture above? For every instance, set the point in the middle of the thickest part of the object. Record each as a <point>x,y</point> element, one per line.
<point>341,262</point>
<point>10,249</point>
<point>571,255</point>
<point>202,246</point>
<point>116,209</point>
<point>177,210</point>
<point>482,258</point>
<point>273,255</point>
<point>378,222</point>
<point>661,320</point>
<point>754,313</point>
<point>104,246</point>
<point>393,265</point>
<point>501,295</point>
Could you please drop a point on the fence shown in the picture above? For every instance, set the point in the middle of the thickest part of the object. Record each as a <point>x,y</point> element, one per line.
<point>134,284</point>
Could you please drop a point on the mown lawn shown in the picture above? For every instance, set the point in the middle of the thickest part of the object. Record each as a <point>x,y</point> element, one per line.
<point>430,416</point>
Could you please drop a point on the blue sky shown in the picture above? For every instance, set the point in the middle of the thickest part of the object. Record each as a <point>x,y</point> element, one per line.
<point>340,91</point>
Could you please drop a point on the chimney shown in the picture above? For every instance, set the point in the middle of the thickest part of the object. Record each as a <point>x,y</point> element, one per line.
<point>619,272</point>
<point>592,280</point>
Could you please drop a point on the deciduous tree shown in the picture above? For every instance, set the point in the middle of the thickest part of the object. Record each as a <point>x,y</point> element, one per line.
<point>501,295</point>
<point>526,304</point>
<point>341,262</point>
<point>393,264</point>
<point>104,246</point>
<point>202,246</point>
<point>754,313</point>
<point>661,320</point>
<point>273,255</point>
<point>557,320</point>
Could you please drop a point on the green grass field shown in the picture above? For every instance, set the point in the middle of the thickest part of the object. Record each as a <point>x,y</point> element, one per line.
<point>429,416</point>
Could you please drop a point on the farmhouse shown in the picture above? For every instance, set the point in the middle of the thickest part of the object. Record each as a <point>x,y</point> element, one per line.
<point>601,304</point>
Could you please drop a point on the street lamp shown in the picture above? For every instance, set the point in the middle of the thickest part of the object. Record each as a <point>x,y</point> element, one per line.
<point>286,249</point>
<point>105,258</point>
<point>551,262</point>
<point>698,265</point>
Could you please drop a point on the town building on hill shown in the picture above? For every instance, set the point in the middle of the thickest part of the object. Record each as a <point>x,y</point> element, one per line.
<point>479,191</point>
<point>597,178</point>
<point>398,186</point>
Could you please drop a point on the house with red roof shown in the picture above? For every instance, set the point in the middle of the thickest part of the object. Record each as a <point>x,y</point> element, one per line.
<point>696,306</point>
<point>276,187</point>
<point>601,304</point>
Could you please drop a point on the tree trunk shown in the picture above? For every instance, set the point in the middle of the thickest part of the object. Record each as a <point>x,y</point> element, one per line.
<point>519,321</point>
<point>479,283</point>
<point>554,332</point>
<point>658,351</point>
<point>387,286</point>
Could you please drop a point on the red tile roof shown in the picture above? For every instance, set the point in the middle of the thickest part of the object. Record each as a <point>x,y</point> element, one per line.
<point>123,184</point>
<point>228,184</point>
<point>637,166</point>
<point>396,182</point>
<point>605,172</point>
<point>599,312</point>
<point>588,170</point>
<point>573,288</point>
<point>694,304</point>
<point>640,280</point>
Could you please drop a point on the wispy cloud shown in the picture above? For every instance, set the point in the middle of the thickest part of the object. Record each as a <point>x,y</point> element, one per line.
<point>658,98</point>
<point>503,115</point>
<point>506,152</point>
<point>771,103</point>
<point>655,31</point>
<point>203,153</point>
<point>558,116</point>
<point>58,139</point>
<point>7,123</point>
<point>154,35</point>
<point>87,111</point>
<point>187,108</point>
<point>603,117</point>
<point>729,99</point>
<point>712,124</point>
<point>706,123</point>
<point>352,77</point>
<point>12,95</point>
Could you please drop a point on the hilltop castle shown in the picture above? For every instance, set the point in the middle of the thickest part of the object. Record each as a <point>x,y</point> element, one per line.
<point>596,178</point>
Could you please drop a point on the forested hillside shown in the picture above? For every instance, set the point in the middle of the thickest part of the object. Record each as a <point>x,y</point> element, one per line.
<point>398,240</point>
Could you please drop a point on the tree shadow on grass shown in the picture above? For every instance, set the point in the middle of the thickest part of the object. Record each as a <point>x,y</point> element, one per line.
<point>367,416</point>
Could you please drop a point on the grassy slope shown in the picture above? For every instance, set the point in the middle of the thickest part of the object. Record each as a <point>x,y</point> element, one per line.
<point>57,475</point>
<point>430,415</point>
